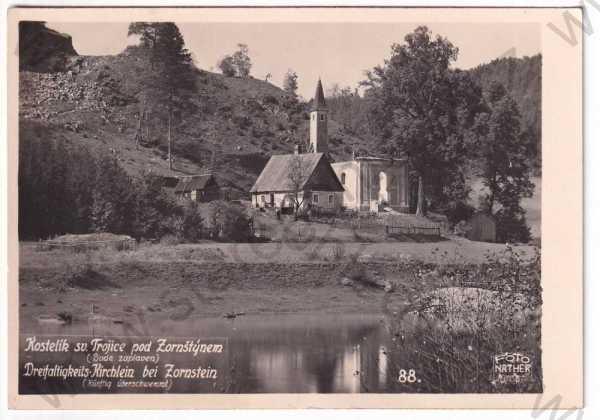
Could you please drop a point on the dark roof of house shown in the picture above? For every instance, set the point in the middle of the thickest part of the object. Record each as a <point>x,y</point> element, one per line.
<point>170,181</point>
<point>319,99</point>
<point>195,182</point>
<point>275,175</point>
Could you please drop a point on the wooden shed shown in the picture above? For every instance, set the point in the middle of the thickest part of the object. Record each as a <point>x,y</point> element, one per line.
<point>482,228</point>
<point>202,188</point>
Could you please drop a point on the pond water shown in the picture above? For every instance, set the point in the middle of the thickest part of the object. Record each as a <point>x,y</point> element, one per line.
<point>275,353</point>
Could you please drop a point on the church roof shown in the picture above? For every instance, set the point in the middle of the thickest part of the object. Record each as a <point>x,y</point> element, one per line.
<point>319,99</point>
<point>318,174</point>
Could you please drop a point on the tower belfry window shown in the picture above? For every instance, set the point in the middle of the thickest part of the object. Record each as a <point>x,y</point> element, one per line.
<point>322,117</point>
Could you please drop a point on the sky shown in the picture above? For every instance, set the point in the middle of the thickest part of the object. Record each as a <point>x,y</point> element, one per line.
<point>336,52</point>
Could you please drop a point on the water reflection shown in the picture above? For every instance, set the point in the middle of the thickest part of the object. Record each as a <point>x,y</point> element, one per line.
<point>323,353</point>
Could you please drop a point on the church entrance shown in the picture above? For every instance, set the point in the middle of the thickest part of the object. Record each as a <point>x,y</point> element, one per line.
<point>383,188</point>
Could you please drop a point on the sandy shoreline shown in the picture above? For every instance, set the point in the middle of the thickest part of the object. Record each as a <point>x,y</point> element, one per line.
<point>211,280</point>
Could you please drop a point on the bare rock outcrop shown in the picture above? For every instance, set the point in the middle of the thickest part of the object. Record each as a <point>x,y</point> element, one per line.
<point>42,49</point>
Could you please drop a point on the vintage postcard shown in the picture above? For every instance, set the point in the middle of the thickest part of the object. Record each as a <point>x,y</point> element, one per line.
<point>295,207</point>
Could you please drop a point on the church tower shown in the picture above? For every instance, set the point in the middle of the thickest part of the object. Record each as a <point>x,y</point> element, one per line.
<point>318,122</point>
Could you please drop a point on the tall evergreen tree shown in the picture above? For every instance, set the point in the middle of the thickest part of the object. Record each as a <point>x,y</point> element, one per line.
<point>169,84</point>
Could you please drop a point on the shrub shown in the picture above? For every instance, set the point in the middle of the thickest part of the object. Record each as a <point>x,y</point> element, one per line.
<point>511,225</point>
<point>228,222</point>
<point>242,122</point>
<point>457,211</point>
<point>226,66</point>
<point>270,99</point>
<point>192,222</point>
<point>170,239</point>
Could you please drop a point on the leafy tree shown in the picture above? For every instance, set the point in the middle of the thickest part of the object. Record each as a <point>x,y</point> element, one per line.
<point>348,108</point>
<point>154,208</point>
<point>228,221</point>
<point>169,84</point>
<point>290,82</point>
<point>226,66</point>
<point>522,78</point>
<point>237,64</point>
<point>297,175</point>
<point>64,188</point>
<point>192,222</point>
<point>511,224</point>
<point>505,157</point>
<point>114,198</point>
<point>54,185</point>
<point>425,109</point>
<point>241,61</point>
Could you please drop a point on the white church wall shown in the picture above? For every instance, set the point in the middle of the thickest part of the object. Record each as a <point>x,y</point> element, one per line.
<point>389,183</point>
<point>366,181</point>
<point>348,174</point>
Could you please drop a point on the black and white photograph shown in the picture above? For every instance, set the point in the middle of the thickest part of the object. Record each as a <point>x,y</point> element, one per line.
<point>304,207</point>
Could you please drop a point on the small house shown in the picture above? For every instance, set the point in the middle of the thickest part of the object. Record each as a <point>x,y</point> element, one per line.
<point>201,188</point>
<point>482,228</point>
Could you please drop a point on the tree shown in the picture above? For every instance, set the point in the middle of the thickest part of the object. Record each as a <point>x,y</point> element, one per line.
<point>424,110</point>
<point>226,66</point>
<point>228,221</point>
<point>238,64</point>
<point>167,87</point>
<point>114,198</point>
<point>297,175</point>
<point>505,159</point>
<point>290,83</point>
<point>241,61</point>
<point>347,108</point>
<point>154,208</point>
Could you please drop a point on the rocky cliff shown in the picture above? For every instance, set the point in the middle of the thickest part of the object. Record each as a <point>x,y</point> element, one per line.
<point>43,49</point>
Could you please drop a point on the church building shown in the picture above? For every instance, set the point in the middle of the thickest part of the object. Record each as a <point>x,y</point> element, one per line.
<point>305,179</point>
<point>374,184</point>
<point>362,184</point>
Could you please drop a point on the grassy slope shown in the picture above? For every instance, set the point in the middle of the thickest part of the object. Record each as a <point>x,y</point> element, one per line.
<point>232,127</point>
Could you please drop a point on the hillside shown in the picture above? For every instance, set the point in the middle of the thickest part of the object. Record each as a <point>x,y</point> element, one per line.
<point>231,127</point>
<point>522,77</point>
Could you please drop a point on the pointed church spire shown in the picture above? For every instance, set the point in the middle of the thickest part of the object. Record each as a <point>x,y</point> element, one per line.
<point>318,122</point>
<point>319,100</point>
